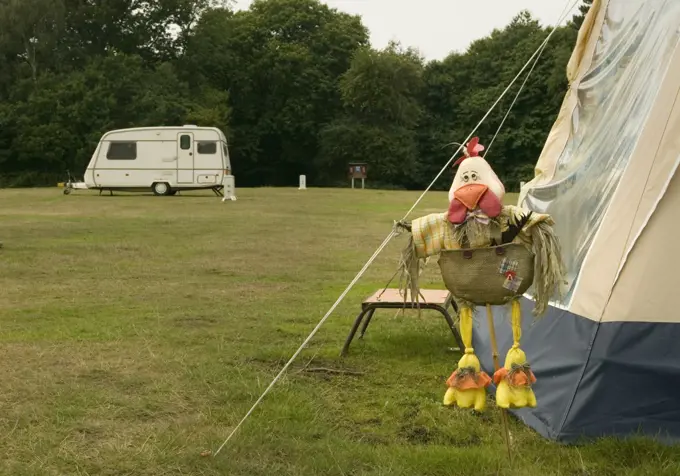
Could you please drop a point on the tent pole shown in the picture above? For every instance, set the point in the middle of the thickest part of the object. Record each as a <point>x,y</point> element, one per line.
<point>497,365</point>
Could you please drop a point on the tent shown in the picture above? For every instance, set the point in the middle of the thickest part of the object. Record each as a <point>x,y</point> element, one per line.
<point>607,357</point>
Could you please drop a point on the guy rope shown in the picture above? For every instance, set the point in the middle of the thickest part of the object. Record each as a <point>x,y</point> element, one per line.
<point>397,228</point>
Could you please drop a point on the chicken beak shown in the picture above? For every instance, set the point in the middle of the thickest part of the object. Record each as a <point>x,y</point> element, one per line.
<point>470,194</point>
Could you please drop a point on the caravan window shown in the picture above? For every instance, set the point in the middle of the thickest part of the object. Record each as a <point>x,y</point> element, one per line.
<point>185,142</point>
<point>206,147</point>
<point>122,151</point>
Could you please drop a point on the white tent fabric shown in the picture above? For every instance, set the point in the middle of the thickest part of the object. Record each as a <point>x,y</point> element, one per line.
<point>609,155</point>
<point>608,175</point>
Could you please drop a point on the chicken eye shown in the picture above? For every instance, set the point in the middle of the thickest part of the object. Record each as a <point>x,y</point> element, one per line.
<point>474,176</point>
<point>466,177</point>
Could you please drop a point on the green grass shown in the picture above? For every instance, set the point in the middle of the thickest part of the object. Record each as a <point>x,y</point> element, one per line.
<point>135,332</point>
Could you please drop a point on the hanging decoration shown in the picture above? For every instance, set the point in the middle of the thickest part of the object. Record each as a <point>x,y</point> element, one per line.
<point>489,254</point>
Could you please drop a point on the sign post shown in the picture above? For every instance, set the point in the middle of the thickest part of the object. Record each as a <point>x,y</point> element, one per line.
<point>357,170</point>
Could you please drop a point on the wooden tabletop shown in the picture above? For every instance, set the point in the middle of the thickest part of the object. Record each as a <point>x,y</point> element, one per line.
<point>430,296</point>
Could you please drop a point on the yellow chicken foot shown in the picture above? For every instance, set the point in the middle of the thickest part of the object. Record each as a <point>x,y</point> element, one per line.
<point>513,381</point>
<point>467,385</point>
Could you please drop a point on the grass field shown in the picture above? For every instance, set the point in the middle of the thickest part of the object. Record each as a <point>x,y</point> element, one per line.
<point>135,332</point>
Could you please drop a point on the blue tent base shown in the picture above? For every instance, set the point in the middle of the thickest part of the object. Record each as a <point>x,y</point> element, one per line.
<point>593,379</point>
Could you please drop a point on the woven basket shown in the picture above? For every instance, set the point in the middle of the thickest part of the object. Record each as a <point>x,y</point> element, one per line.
<point>477,275</point>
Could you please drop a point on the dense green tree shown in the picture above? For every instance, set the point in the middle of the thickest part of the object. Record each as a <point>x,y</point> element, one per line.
<point>29,33</point>
<point>293,83</point>
<point>460,89</point>
<point>380,95</point>
<point>156,30</point>
<point>280,62</point>
<point>55,124</point>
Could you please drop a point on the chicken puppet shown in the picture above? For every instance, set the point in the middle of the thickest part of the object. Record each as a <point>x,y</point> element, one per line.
<point>476,218</point>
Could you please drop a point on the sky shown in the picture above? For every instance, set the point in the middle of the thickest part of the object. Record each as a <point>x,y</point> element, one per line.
<point>438,27</point>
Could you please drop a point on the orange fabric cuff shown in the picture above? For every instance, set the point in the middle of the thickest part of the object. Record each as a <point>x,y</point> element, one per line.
<point>499,375</point>
<point>519,379</point>
<point>469,382</point>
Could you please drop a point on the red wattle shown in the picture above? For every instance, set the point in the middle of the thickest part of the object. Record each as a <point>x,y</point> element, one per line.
<point>490,204</point>
<point>457,212</point>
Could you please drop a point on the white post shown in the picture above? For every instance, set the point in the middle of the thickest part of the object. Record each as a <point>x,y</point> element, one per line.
<point>303,182</point>
<point>352,182</point>
<point>229,190</point>
<point>362,182</point>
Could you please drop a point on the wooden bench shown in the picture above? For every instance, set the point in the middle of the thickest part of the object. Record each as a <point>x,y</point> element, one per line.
<point>433,299</point>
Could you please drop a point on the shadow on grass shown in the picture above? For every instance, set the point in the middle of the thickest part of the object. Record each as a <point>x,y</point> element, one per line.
<point>392,339</point>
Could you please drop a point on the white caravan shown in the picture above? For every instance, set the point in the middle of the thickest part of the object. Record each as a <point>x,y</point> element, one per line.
<point>162,159</point>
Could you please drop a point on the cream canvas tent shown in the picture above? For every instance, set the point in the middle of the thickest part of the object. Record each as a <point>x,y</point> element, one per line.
<point>607,358</point>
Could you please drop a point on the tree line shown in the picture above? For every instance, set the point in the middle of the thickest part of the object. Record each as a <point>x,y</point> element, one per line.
<point>294,85</point>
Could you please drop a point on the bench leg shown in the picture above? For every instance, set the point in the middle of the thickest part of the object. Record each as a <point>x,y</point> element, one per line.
<point>452,326</point>
<point>352,332</point>
<point>369,316</point>
<point>452,303</point>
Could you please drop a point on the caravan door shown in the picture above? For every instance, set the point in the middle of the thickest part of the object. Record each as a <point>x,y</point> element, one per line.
<point>185,157</point>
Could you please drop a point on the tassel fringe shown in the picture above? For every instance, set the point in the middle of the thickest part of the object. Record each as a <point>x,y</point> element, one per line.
<point>410,267</point>
<point>549,270</point>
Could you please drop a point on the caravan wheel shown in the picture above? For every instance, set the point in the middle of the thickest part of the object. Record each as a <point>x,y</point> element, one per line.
<point>160,188</point>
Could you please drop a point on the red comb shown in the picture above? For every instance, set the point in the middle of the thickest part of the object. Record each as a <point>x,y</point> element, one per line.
<point>472,149</point>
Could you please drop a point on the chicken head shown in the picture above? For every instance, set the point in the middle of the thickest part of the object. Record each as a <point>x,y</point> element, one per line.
<point>475,187</point>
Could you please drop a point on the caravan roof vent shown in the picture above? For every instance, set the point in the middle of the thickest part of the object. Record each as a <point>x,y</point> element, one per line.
<point>190,125</point>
